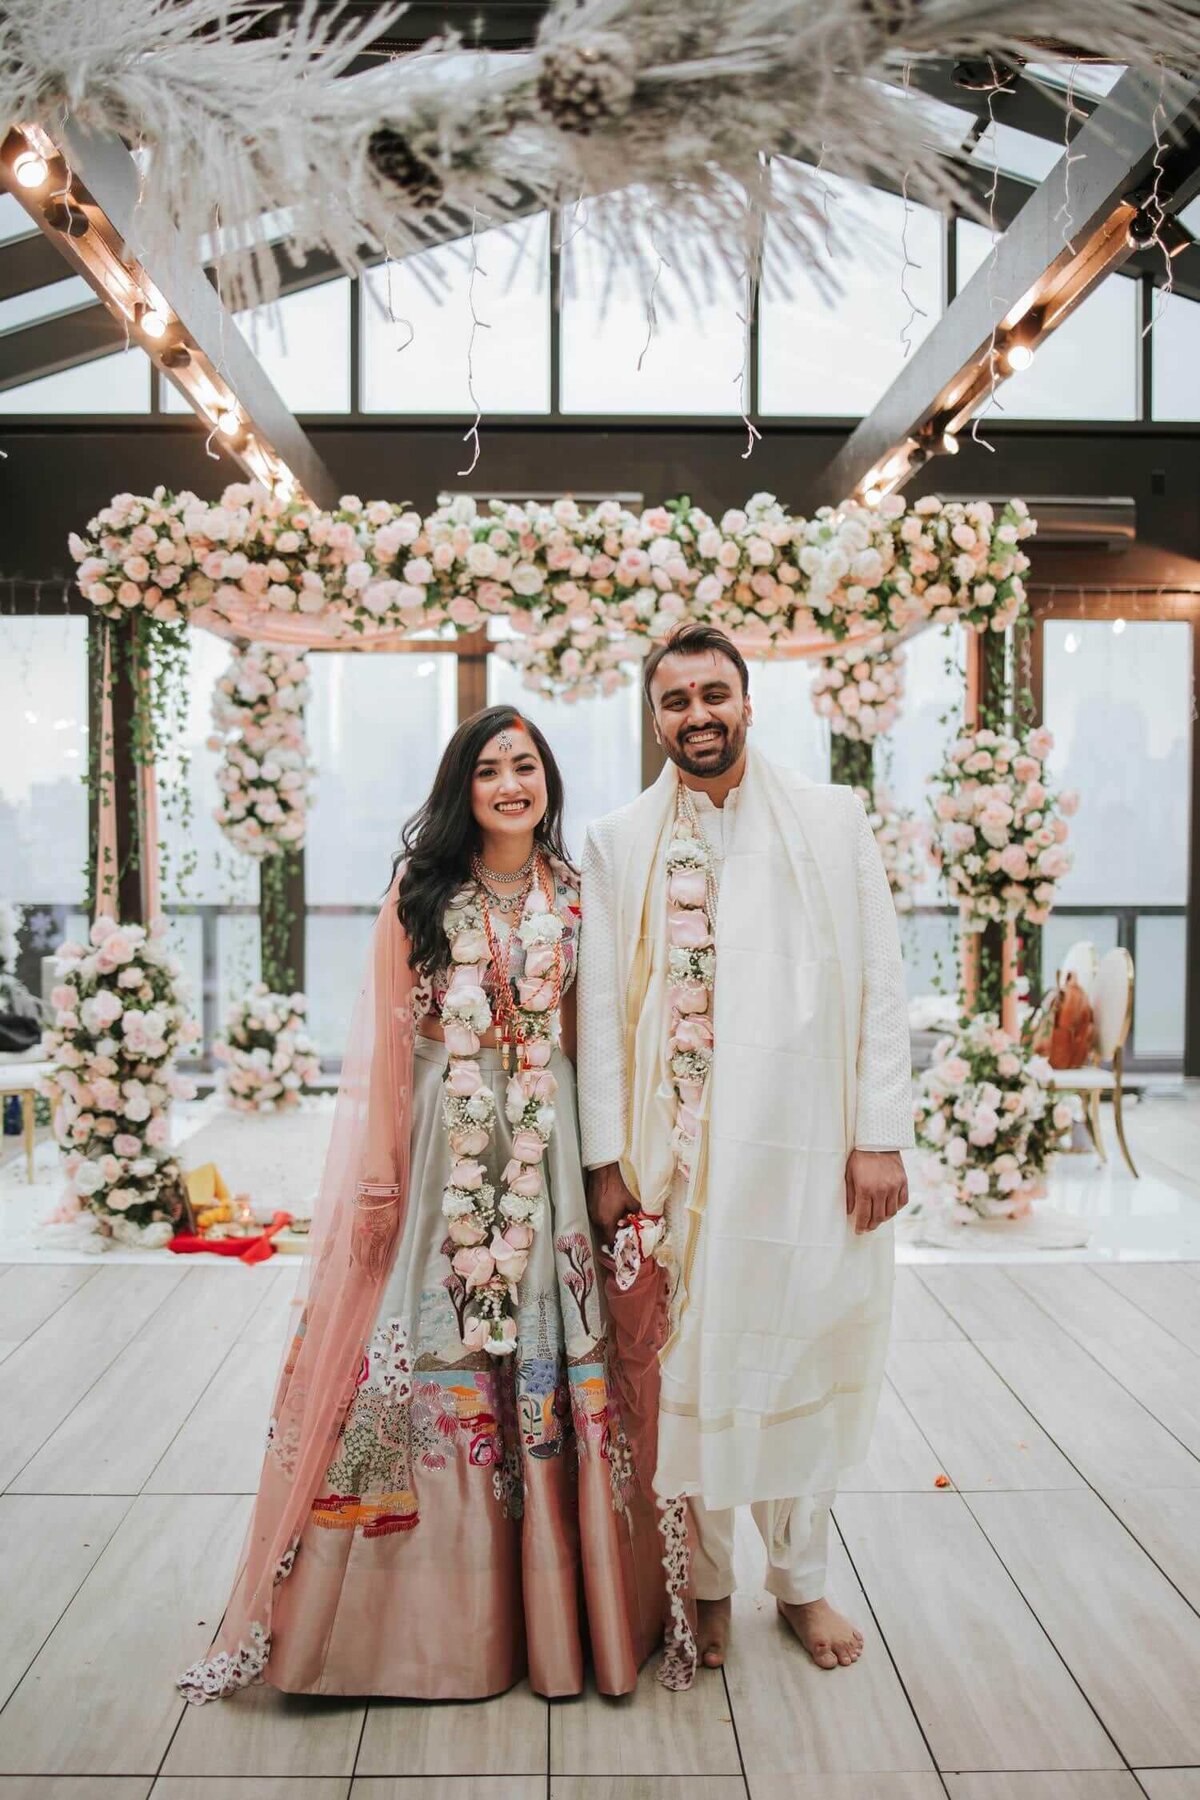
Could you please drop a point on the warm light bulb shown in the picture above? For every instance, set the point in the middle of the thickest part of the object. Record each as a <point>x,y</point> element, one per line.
<point>30,169</point>
<point>153,323</point>
<point>949,443</point>
<point>1018,357</point>
<point>228,423</point>
<point>873,495</point>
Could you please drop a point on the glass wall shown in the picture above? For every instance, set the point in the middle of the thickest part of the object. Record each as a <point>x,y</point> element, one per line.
<point>1118,698</point>
<point>633,341</point>
<point>835,348</point>
<point>43,772</point>
<point>119,383</point>
<point>377,726</point>
<point>421,351</point>
<point>1176,360</point>
<point>597,744</point>
<point>786,728</point>
<point>303,344</point>
<point>1086,369</point>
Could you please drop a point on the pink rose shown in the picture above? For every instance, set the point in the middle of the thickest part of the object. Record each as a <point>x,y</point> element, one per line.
<point>953,1071</point>
<point>469,947</point>
<point>125,1144</point>
<point>527,1147</point>
<point>466,1230</point>
<point>464,1079</point>
<point>460,1039</point>
<point>535,994</point>
<point>1014,862</point>
<point>690,997</point>
<point>537,1055</point>
<point>465,981</point>
<point>519,1236</point>
<point>475,1334</point>
<point>687,887</point>
<point>523,1179</point>
<point>475,1265</point>
<point>510,1262</point>
<point>687,928</point>
<point>468,1176</point>
<point>538,1084</point>
<point>469,1143</point>
<point>693,1033</point>
<point>539,960</point>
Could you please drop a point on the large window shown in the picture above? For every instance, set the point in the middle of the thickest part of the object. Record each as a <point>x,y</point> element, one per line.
<point>786,728</point>
<point>303,344</point>
<point>43,799</point>
<point>597,744</point>
<point>1117,697</point>
<point>1176,361</point>
<point>119,383</point>
<point>633,341</point>
<point>422,351</point>
<point>377,726</point>
<point>835,350</point>
<point>1087,368</point>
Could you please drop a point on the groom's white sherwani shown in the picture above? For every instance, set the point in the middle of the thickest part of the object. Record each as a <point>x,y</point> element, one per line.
<point>771,1377</point>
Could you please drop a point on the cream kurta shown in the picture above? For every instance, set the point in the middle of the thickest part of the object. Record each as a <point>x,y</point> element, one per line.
<point>771,1381</point>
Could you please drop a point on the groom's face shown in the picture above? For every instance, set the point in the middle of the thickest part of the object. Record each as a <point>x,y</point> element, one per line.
<point>700,712</point>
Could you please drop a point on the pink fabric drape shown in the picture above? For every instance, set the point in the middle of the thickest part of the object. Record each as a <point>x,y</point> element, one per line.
<point>355,1231</point>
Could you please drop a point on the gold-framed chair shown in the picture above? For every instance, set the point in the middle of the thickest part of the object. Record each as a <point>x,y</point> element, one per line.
<point>1111,996</point>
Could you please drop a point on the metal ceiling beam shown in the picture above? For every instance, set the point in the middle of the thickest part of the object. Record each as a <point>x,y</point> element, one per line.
<point>196,340</point>
<point>1041,278</point>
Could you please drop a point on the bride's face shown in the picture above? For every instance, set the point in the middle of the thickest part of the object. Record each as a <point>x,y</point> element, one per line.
<point>508,789</point>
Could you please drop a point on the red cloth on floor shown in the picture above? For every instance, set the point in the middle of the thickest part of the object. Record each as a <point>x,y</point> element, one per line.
<point>247,1250</point>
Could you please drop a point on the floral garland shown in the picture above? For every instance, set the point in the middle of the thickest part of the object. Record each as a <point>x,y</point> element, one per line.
<point>267,1055</point>
<point>691,973</point>
<point>985,1110</point>
<point>1000,830</point>
<point>860,694</point>
<point>120,1017</point>
<point>584,591</point>
<point>493,1237</point>
<point>903,844</point>
<point>265,775</point>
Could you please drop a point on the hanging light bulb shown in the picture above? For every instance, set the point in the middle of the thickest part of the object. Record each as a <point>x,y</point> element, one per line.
<point>228,422</point>
<point>30,170</point>
<point>872,495</point>
<point>950,443</point>
<point>148,319</point>
<point>1017,357</point>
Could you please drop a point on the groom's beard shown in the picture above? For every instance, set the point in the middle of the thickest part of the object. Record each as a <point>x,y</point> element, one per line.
<point>715,761</point>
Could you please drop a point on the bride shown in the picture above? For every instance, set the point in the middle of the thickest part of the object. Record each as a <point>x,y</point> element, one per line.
<point>448,1500</point>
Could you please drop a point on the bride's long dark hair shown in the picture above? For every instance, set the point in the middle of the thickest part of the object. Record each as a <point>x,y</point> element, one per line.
<point>439,840</point>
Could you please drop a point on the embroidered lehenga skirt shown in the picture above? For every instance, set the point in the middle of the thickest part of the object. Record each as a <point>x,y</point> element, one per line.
<point>480,1518</point>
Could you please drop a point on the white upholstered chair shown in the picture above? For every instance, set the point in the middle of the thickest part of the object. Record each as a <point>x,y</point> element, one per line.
<point>1111,995</point>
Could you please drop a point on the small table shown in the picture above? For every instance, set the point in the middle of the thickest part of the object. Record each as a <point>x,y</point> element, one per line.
<point>20,1077</point>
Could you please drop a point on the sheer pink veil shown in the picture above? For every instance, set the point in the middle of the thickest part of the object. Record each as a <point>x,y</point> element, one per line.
<point>356,1227</point>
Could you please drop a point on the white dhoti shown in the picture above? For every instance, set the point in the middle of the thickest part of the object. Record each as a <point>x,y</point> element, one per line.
<point>771,1377</point>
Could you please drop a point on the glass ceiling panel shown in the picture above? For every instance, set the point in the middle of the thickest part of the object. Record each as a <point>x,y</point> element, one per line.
<point>46,303</point>
<point>1016,152</point>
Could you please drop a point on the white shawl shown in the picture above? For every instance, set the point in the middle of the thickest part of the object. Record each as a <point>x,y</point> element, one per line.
<point>771,1378</point>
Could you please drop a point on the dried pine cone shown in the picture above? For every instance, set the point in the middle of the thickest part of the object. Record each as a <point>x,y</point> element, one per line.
<point>394,160</point>
<point>581,86</point>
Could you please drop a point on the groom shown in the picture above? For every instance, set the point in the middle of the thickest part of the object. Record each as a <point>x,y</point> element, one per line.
<point>745,1080</point>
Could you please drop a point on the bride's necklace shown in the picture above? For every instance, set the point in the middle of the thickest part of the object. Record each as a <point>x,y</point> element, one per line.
<point>505,878</point>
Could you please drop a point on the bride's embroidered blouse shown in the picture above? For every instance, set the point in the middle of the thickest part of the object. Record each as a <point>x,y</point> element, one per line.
<point>430,991</point>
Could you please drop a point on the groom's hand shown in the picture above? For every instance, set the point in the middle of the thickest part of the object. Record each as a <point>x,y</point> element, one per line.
<point>876,1187</point>
<point>608,1201</point>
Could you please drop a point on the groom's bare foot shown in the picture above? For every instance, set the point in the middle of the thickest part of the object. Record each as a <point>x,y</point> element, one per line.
<point>712,1630</point>
<point>830,1639</point>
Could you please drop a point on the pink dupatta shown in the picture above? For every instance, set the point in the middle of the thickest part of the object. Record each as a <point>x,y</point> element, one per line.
<point>356,1228</point>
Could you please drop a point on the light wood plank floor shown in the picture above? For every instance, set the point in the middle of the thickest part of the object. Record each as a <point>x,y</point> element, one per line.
<point>1032,1628</point>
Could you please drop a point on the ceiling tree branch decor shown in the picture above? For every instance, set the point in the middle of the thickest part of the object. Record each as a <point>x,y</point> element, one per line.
<point>585,592</point>
<point>243,112</point>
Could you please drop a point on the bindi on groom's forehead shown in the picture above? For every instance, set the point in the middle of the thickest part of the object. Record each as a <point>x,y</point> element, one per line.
<point>707,675</point>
